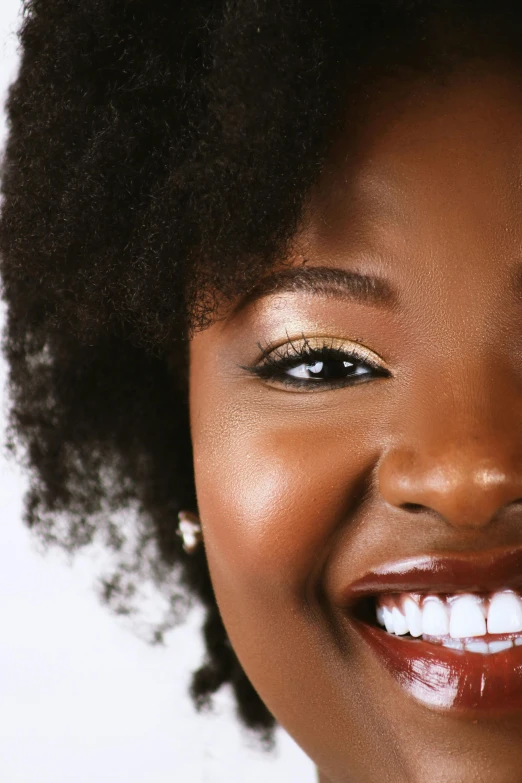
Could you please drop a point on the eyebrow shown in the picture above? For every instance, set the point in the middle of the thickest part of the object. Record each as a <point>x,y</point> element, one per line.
<point>325,280</point>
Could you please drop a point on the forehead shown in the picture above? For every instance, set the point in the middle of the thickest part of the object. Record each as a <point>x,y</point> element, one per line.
<point>428,174</point>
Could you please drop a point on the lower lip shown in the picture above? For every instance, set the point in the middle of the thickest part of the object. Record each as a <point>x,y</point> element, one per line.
<point>448,679</point>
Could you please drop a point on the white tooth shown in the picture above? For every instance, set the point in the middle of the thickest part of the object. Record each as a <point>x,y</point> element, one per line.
<point>518,641</point>
<point>434,617</point>
<point>388,619</point>
<point>413,616</point>
<point>504,614</point>
<point>495,647</point>
<point>477,647</point>
<point>380,615</point>
<point>466,617</point>
<point>399,622</point>
<point>454,644</point>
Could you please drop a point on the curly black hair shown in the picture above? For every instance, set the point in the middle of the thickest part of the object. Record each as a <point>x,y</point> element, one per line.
<point>158,162</point>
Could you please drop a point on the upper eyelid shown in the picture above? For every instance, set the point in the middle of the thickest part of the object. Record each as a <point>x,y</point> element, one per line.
<point>347,347</point>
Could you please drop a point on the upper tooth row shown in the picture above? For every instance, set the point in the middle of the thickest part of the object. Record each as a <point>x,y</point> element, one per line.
<point>459,616</point>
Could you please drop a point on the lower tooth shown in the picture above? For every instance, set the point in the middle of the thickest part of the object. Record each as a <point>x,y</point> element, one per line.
<point>478,647</point>
<point>518,641</point>
<point>499,646</point>
<point>454,644</point>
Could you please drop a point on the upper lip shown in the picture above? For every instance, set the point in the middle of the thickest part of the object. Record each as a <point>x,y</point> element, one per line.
<point>484,571</point>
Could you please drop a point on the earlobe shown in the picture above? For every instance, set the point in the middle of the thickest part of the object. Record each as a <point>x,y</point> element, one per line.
<point>189,528</point>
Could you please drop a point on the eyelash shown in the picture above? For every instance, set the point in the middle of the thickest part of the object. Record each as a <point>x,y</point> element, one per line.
<point>276,362</point>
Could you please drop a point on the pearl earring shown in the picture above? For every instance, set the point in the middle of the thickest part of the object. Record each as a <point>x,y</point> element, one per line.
<point>189,529</point>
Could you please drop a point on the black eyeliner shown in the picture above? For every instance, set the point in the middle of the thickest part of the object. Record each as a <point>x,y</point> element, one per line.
<point>275,361</point>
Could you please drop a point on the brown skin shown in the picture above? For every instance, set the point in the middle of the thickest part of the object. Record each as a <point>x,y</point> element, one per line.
<point>298,489</point>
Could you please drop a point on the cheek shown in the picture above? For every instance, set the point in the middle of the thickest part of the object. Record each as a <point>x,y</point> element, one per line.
<point>273,490</point>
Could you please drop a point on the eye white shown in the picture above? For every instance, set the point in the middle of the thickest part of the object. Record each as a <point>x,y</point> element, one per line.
<point>302,370</point>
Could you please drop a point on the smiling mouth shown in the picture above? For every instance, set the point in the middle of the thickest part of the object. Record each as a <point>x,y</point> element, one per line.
<point>447,628</point>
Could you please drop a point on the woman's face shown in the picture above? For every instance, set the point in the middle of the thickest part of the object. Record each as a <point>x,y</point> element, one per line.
<point>397,435</point>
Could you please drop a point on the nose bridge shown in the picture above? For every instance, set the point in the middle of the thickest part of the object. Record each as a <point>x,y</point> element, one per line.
<point>458,449</point>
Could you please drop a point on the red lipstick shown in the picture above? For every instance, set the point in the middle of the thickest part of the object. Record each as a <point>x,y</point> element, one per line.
<point>448,679</point>
<point>461,571</point>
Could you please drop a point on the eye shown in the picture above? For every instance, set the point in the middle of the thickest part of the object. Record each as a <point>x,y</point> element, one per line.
<point>329,370</point>
<point>318,366</point>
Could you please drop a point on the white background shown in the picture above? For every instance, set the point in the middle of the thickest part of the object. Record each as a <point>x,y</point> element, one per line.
<point>82,698</point>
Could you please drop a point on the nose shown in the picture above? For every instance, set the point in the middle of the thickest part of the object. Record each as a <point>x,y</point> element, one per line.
<point>464,464</point>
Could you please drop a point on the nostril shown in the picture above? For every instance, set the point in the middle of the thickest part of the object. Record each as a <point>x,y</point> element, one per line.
<point>414,508</point>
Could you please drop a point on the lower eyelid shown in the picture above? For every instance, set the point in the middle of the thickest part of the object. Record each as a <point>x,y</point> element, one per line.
<point>311,387</point>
